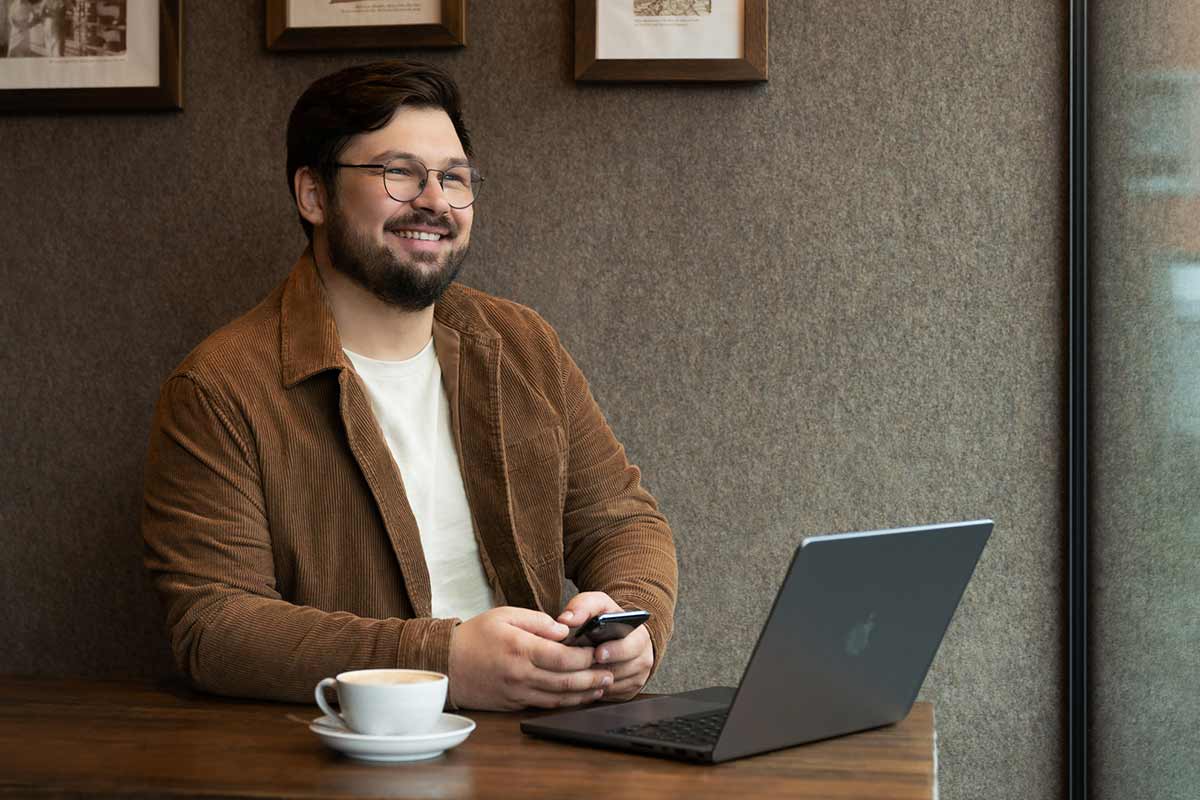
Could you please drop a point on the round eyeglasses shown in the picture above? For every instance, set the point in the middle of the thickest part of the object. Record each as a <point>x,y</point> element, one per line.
<point>404,179</point>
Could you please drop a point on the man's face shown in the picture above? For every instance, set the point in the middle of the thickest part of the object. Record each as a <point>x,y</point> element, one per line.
<point>370,235</point>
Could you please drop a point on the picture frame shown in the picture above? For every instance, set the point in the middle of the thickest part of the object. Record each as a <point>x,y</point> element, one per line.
<point>731,59</point>
<point>92,55</point>
<point>302,25</point>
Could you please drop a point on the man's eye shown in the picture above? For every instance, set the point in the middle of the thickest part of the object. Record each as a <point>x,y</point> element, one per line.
<point>400,172</point>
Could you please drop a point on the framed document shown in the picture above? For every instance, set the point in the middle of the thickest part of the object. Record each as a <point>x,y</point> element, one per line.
<point>340,24</point>
<point>90,55</point>
<point>670,40</point>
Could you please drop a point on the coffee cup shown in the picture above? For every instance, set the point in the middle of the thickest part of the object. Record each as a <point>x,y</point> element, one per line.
<point>386,702</point>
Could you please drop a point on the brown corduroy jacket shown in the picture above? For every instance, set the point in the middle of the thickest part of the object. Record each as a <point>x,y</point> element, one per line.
<point>275,521</point>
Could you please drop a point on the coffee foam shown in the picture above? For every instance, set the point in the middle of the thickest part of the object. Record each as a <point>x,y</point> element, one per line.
<point>390,678</point>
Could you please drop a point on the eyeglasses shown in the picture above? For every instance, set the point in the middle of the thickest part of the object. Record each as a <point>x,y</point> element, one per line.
<point>404,179</point>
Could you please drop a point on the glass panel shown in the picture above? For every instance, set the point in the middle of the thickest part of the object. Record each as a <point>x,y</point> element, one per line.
<point>1145,399</point>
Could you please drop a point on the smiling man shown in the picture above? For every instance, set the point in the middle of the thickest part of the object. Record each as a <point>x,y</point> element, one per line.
<point>379,467</point>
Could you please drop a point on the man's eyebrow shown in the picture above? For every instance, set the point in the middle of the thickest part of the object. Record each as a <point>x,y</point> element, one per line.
<point>389,155</point>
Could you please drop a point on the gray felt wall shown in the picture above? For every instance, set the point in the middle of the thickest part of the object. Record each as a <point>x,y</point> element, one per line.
<point>830,302</point>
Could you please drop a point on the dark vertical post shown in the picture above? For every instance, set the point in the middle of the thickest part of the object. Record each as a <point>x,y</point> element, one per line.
<point>1077,672</point>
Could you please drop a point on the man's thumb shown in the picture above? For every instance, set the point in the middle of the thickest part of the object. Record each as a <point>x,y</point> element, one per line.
<point>539,624</point>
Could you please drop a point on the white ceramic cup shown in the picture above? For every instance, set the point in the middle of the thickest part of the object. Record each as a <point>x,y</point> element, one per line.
<point>386,702</point>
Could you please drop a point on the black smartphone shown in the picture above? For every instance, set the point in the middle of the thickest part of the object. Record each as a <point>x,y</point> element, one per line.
<point>605,628</point>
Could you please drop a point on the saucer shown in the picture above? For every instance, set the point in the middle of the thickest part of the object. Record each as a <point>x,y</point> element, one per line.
<point>450,731</point>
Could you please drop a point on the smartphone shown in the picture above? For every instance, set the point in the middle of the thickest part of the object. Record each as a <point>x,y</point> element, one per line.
<point>605,628</point>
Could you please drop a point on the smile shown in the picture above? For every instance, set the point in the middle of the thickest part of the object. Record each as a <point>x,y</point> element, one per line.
<point>422,235</point>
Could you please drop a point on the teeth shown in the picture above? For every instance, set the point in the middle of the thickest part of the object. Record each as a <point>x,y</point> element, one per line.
<point>422,235</point>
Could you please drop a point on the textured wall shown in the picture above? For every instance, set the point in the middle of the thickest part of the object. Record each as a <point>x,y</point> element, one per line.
<point>827,303</point>
<point>1145,410</point>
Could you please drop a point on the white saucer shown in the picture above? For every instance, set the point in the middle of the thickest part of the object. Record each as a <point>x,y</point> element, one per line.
<point>450,731</point>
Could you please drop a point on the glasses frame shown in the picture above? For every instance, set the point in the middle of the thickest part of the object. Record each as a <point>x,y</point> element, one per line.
<point>424,181</point>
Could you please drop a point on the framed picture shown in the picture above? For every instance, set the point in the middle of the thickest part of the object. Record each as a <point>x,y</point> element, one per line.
<point>339,24</point>
<point>90,55</point>
<point>670,40</point>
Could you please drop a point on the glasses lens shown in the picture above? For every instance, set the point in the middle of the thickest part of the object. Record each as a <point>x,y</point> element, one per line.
<point>405,180</point>
<point>461,184</point>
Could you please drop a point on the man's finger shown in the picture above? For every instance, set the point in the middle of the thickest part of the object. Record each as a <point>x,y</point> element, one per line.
<point>586,605</point>
<point>581,682</point>
<point>626,670</point>
<point>537,623</point>
<point>557,657</point>
<point>534,698</point>
<point>624,649</point>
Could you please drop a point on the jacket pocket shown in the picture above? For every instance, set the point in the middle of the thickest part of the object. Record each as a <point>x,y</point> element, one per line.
<point>548,444</point>
<point>537,472</point>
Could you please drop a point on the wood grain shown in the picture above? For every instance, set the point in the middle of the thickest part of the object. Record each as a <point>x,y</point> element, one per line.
<point>134,740</point>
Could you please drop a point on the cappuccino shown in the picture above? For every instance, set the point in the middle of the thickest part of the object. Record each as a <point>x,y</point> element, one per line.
<point>386,702</point>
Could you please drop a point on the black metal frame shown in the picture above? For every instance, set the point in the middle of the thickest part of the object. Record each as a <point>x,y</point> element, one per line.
<point>476,179</point>
<point>1077,521</point>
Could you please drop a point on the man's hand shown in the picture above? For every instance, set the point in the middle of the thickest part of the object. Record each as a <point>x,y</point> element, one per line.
<point>630,659</point>
<point>510,658</point>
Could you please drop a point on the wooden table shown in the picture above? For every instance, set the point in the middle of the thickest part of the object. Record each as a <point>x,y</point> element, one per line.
<point>126,739</point>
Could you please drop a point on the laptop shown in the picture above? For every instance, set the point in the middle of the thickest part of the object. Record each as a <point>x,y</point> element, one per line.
<point>846,647</point>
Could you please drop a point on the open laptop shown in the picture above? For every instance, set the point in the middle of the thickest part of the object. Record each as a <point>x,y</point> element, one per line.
<point>846,647</point>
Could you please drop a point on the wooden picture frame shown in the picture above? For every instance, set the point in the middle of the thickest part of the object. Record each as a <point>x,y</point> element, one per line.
<point>80,78</point>
<point>751,66</point>
<point>283,34</point>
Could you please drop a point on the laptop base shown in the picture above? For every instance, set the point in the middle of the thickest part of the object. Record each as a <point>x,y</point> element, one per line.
<point>591,726</point>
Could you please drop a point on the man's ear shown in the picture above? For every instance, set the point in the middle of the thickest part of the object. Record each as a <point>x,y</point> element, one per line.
<point>310,195</point>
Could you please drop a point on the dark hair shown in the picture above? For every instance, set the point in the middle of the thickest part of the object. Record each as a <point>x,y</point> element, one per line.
<point>358,100</point>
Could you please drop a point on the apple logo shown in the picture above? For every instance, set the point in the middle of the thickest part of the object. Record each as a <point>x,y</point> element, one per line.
<point>858,637</point>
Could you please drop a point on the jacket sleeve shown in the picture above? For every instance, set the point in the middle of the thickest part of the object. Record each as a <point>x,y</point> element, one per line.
<point>615,540</point>
<point>208,549</point>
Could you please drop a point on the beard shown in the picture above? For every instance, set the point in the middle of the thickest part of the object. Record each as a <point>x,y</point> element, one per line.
<point>412,283</point>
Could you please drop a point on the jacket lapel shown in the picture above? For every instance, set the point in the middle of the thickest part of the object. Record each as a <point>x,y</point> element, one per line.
<point>310,345</point>
<point>383,476</point>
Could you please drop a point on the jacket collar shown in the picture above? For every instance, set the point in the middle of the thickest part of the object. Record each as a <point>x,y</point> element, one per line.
<point>309,340</point>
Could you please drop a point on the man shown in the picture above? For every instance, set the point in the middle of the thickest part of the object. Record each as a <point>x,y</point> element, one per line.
<point>379,467</point>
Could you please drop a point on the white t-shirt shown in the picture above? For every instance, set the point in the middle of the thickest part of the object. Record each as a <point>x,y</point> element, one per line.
<point>413,411</point>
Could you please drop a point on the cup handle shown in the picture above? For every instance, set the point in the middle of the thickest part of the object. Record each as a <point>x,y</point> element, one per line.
<point>324,704</point>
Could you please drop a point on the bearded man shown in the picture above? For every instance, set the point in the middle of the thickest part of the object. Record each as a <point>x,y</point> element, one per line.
<point>378,467</point>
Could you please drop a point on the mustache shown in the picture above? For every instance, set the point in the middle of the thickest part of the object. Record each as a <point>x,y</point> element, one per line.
<point>409,219</point>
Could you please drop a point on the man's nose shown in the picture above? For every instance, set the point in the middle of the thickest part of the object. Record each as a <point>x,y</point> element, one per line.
<point>432,196</point>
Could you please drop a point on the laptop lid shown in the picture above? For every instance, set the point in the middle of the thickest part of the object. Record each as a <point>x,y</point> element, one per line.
<point>852,634</point>
<point>846,646</point>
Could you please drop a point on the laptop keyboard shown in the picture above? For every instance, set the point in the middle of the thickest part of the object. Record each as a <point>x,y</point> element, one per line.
<point>702,728</point>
